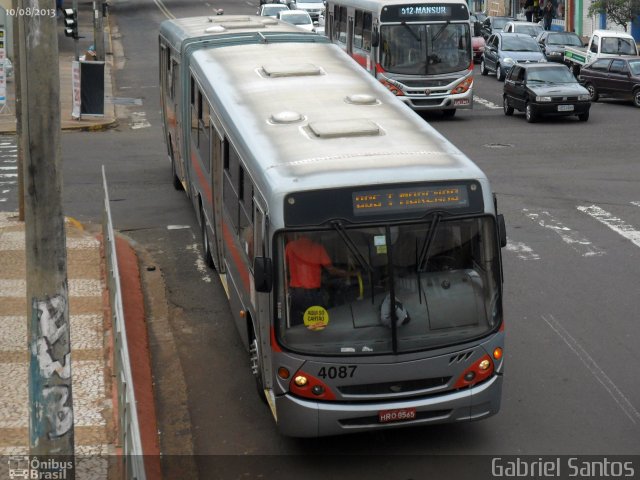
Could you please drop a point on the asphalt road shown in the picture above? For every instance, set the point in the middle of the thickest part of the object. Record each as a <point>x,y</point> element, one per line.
<point>569,192</point>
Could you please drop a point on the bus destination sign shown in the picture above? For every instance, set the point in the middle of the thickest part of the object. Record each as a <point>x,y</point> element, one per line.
<point>395,200</point>
<point>424,12</point>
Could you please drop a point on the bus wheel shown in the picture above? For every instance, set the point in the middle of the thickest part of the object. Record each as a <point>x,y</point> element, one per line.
<point>256,366</point>
<point>177,184</point>
<point>206,246</point>
<point>449,113</point>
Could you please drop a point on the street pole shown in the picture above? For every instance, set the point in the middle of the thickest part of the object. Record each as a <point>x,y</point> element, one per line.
<point>98,28</point>
<point>51,429</point>
<point>17,75</point>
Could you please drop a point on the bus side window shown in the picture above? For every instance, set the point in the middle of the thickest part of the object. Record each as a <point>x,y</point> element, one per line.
<point>366,31</point>
<point>245,198</point>
<point>229,193</point>
<point>357,34</point>
<point>204,135</point>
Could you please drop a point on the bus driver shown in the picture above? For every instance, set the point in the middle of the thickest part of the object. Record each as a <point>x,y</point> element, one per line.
<point>305,259</point>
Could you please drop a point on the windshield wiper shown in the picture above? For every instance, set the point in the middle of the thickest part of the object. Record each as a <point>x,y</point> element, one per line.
<point>424,253</point>
<point>413,34</point>
<point>439,32</point>
<point>364,264</point>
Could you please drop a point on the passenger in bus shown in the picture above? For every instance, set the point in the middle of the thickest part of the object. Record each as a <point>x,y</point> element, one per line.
<point>305,260</point>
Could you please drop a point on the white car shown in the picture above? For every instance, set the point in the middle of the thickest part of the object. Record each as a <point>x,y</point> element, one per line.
<point>271,9</point>
<point>299,18</point>
<point>314,8</point>
<point>530,28</point>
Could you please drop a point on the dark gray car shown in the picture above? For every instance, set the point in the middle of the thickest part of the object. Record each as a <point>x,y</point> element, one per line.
<point>545,89</point>
<point>504,50</point>
<point>553,43</point>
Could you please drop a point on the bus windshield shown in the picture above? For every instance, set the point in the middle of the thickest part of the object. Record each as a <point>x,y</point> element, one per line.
<point>336,297</point>
<point>425,49</point>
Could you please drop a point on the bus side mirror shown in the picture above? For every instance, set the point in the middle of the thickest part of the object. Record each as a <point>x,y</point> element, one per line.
<point>263,274</point>
<point>375,38</point>
<point>502,231</point>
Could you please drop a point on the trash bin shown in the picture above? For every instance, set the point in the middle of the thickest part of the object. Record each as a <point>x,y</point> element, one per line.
<point>92,88</point>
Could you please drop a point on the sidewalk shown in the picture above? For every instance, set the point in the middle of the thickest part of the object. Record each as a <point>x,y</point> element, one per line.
<point>94,424</point>
<point>66,53</point>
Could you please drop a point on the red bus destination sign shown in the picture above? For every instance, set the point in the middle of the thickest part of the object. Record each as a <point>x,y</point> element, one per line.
<point>403,199</point>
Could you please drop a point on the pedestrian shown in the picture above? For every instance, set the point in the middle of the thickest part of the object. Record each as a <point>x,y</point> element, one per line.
<point>59,7</point>
<point>528,10</point>
<point>547,14</point>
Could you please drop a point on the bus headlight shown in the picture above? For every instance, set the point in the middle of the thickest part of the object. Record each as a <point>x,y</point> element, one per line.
<point>463,86</point>
<point>395,90</point>
<point>308,386</point>
<point>476,373</point>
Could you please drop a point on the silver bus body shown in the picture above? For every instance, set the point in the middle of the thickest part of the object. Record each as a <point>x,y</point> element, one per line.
<point>272,131</point>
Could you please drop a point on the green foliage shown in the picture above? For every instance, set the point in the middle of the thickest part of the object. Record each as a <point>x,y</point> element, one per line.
<point>621,12</point>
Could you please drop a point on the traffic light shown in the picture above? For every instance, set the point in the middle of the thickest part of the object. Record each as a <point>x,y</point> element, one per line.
<point>71,22</point>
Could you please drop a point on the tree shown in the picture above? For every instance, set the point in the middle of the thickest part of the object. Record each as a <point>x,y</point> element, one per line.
<point>621,12</point>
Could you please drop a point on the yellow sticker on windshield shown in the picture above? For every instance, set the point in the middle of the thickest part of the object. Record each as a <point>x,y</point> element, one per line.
<point>316,318</point>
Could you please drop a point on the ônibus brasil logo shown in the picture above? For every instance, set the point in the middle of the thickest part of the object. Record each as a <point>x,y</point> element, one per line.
<point>37,469</point>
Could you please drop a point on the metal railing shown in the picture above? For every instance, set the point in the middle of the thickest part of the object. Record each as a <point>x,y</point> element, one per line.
<point>128,431</point>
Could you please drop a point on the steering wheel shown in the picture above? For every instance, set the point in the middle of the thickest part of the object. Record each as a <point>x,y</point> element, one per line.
<point>443,263</point>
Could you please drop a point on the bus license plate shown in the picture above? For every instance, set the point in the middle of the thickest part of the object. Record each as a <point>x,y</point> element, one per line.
<point>396,415</point>
<point>565,108</point>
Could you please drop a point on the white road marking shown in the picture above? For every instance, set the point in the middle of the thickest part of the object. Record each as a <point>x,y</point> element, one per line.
<point>614,223</point>
<point>637,204</point>
<point>524,252</point>
<point>177,227</point>
<point>139,120</point>
<point>623,402</point>
<point>486,103</point>
<point>580,244</point>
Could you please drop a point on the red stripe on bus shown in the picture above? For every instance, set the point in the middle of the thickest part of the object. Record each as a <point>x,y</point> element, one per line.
<point>274,342</point>
<point>361,59</point>
<point>236,256</point>
<point>202,178</point>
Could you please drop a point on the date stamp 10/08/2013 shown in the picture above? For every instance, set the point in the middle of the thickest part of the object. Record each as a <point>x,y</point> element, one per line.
<point>31,12</point>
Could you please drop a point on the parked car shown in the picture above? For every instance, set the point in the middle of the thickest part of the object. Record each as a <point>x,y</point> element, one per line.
<point>299,18</point>
<point>477,40</point>
<point>271,9</point>
<point>613,77</point>
<point>504,50</point>
<point>552,44</point>
<point>544,89</point>
<point>492,25</point>
<point>530,28</point>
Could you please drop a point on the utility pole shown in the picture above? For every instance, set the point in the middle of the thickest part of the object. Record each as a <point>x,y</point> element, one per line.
<point>98,28</point>
<point>51,432</point>
<point>17,76</point>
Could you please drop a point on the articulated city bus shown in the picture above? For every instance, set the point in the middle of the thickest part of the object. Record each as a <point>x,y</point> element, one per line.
<point>421,51</point>
<point>359,249</point>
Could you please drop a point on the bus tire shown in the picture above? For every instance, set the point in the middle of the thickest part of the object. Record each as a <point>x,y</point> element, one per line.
<point>206,246</point>
<point>256,364</point>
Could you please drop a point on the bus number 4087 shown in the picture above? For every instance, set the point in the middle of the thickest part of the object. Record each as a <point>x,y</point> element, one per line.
<point>345,371</point>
